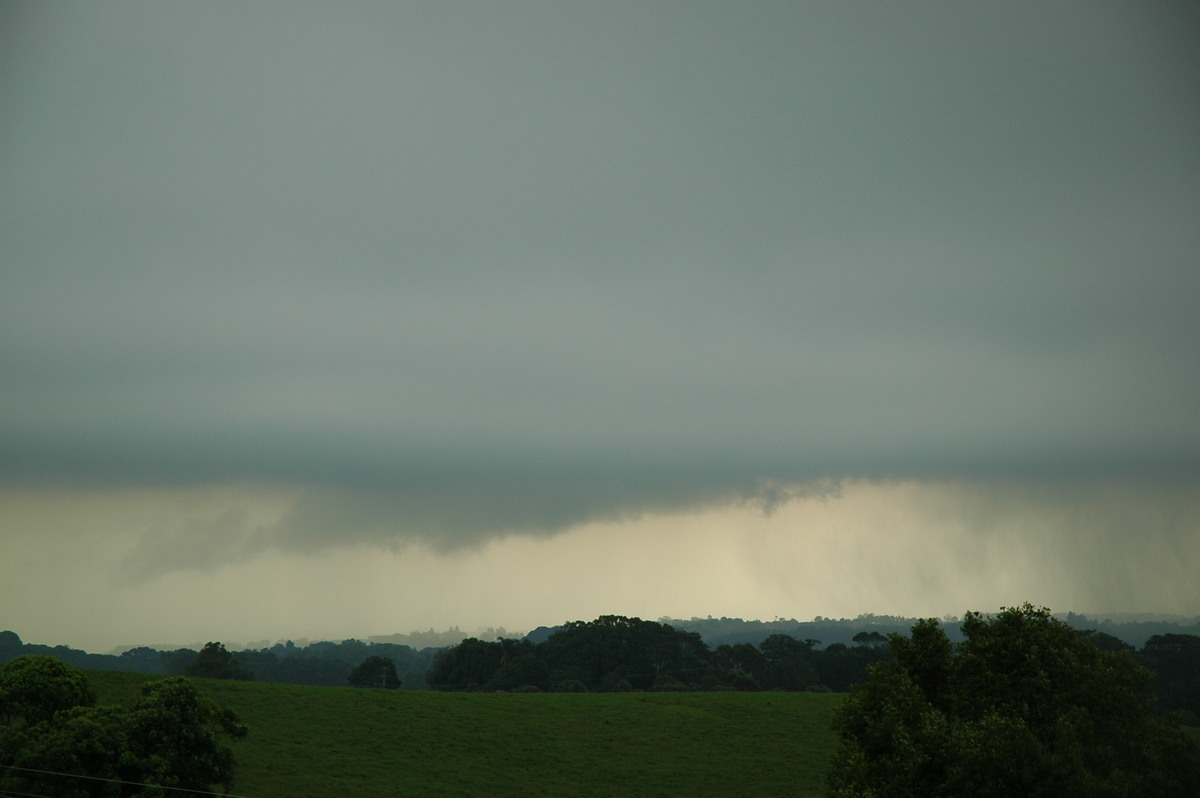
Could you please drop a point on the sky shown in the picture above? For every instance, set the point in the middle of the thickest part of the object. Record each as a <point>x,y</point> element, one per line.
<point>346,319</point>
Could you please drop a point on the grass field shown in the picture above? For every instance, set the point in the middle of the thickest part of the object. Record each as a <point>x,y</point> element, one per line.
<point>326,741</point>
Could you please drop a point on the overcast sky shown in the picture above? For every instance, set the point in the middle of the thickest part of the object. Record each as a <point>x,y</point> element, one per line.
<point>362,317</point>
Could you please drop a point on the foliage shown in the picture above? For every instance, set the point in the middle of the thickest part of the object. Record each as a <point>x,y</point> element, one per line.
<point>321,663</point>
<point>572,686</point>
<point>33,688</point>
<point>520,667</point>
<point>177,733</point>
<point>371,744</point>
<point>87,742</point>
<point>615,648</point>
<point>740,667</point>
<point>1104,641</point>
<point>214,662</point>
<point>144,659</point>
<point>1023,706</point>
<point>170,737</point>
<point>841,666</point>
<point>871,638</point>
<point>797,661</point>
<point>10,646</point>
<point>616,652</point>
<point>375,671</point>
<point>1175,660</point>
<point>468,666</point>
<point>176,663</point>
<point>789,663</point>
<point>330,664</point>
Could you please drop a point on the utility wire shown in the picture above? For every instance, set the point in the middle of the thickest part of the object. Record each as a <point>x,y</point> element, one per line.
<point>7,793</point>
<point>119,781</point>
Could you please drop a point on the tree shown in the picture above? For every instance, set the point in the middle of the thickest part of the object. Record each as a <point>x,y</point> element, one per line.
<point>789,663</point>
<point>375,671</point>
<point>468,666</point>
<point>171,737</point>
<point>1175,659</point>
<point>89,743</point>
<point>1105,641</point>
<point>177,735</point>
<point>613,648</point>
<point>214,662</point>
<point>521,668</point>
<point>841,666</point>
<point>1023,706</point>
<point>10,646</point>
<point>142,659</point>
<point>735,666</point>
<point>175,663</point>
<point>865,638</point>
<point>34,687</point>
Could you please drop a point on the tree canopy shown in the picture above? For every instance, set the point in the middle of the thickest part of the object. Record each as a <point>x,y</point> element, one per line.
<point>172,736</point>
<point>1024,705</point>
<point>375,671</point>
<point>214,662</point>
<point>34,688</point>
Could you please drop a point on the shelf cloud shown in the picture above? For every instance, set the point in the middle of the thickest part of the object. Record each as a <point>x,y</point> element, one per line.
<point>448,274</point>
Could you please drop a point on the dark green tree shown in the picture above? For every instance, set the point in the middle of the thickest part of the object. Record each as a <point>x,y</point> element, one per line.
<point>519,667</point>
<point>1175,660</point>
<point>738,666</point>
<point>375,671</point>
<point>1023,706</point>
<point>174,663</point>
<point>840,666</point>
<point>90,744</point>
<point>214,662</point>
<point>789,663</point>
<point>34,687</point>
<point>870,639</point>
<point>523,670</point>
<point>177,736</point>
<point>172,736</point>
<point>10,646</point>
<point>142,660</point>
<point>1105,641</point>
<point>468,666</point>
<point>614,649</point>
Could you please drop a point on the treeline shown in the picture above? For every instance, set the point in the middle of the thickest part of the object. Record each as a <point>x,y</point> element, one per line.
<point>1135,630</point>
<point>618,653</point>
<point>731,631</point>
<point>322,664</point>
<point>614,653</point>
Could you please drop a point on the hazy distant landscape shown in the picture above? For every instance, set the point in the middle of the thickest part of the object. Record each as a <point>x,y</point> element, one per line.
<point>1132,628</point>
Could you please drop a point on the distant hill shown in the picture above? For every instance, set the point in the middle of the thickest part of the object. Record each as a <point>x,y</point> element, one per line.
<point>828,631</point>
<point>1132,628</point>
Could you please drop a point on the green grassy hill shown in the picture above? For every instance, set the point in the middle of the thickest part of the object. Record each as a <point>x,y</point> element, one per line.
<point>326,741</point>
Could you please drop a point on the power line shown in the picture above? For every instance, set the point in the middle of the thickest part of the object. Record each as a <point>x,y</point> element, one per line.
<point>7,793</point>
<point>114,781</point>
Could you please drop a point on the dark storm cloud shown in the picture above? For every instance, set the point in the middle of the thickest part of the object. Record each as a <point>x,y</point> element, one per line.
<point>481,268</point>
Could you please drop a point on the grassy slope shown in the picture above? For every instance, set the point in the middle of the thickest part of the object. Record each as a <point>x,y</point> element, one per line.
<point>323,741</point>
